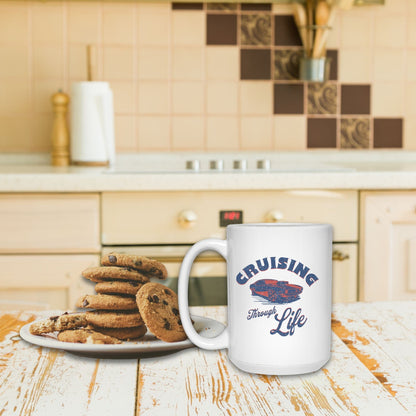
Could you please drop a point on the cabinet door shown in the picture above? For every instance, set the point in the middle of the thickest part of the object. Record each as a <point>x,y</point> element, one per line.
<point>388,246</point>
<point>344,276</point>
<point>49,223</point>
<point>53,281</point>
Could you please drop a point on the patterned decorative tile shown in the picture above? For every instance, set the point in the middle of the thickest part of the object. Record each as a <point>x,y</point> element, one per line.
<point>286,64</point>
<point>355,99</point>
<point>285,31</point>
<point>355,133</point>
<point>222,6</point>
<point>256,6</point>
<point>255,64</point>
<point>288,98</point>
<point>388,132</point>
<point>221,29</point>
<point>187,6</point>
<point>256,29</point>
<point>322,133</point>
<point>322,98</point>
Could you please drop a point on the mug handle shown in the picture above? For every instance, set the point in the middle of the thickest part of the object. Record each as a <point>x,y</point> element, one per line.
<point>221,341</point>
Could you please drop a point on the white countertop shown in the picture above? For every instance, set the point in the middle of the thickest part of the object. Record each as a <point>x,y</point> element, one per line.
<point>147,172</point>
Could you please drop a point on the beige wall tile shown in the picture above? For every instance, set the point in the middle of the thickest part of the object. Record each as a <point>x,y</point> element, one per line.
<point>411,65</point>
<point>42,93</point>
<point>124,97</point>
<point>77,62</point>
<point>222,63</point>
<point>16,134</point>
<point>84,22</point>
<point>256,97</point>
<point>125,133</point>
<point>153,29</point>
<point>48,62</point>
<point>409,139</point>
<point>388,64</point>
<point>154,7</point>
<point>187,133</point>
<point>153,63</point>
<point>42,132</point>
<point>334,37</point>
<point>222,133</point>
<point>411,33</point>
<point>118,23</point>
<point>17,58</point>
<point>48,23</point>
<point>350,36</point>
<point>222,97</point>
<point>118,63</point>
<point>290,132</point>
<point>188,28</point>
<point>187,97</point>
<point>15,98</point>
<point>187,63</point>
<point>282,8</point>
<point>14,24</point>
<point>387,99</point>
<point>411,100</point>
<point>390,31</point>
<point>392,7</point>
<point>355,65</point>
<point>256,133</point>
<point>153,97</point>
<point>153,133</point>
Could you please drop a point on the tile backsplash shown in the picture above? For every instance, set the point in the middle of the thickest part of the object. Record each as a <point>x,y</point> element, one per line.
<point>217,76</point>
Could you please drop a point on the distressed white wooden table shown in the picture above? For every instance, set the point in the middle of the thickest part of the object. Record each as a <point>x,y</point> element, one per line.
<point>372,372</point>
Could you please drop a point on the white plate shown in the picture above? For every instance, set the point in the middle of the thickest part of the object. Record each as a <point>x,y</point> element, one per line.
<point>206,327</point>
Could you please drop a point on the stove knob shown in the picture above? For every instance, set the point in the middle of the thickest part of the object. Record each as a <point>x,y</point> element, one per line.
<point>187,218</point>
<point>216,164</point>
<point>274,216</point>
<point>240,164</point>
<point>263,164</point>
<point>192,165</point>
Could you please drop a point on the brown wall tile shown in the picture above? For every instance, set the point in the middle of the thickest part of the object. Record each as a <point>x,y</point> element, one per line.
<point>355,99</point>
<point>187,6</point>
<point>221,29</point>
<point>288,98</point>
<point>322,133</point>
<point>388,132</point>
<point>355,133</point>
<point>255,63</point>
<point>333,71</point>
<point>285,31</point>
<point>256,6</point>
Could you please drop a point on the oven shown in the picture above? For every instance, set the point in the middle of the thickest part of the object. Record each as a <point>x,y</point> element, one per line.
<point>164,224</point>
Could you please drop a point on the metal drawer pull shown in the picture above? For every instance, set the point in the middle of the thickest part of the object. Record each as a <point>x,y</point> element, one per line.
<point>274,216</point>
<point>339,256</point>
<point>187,219</point>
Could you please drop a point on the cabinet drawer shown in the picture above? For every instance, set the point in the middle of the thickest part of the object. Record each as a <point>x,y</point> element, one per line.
<point>54,280</point>
<point>153,217</point>
<point>49,223</point>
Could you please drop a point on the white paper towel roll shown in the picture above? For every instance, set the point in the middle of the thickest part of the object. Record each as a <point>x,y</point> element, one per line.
<point>92,123</point>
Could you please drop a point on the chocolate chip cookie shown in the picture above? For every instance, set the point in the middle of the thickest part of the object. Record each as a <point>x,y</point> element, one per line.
<point>86,336</point>
<point>122,333</point>
<point>126,319</point>
<point>118,288</point>
<point>107,302</point>
<point>149,267</point>
<point>103,274</point>
<point>158,306</point>
<point>59,323</point>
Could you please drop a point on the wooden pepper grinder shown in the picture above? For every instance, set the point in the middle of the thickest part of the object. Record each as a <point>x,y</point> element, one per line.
<point>60,135</point>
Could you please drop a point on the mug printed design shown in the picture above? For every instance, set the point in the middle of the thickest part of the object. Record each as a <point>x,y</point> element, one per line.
<point>276,291</point>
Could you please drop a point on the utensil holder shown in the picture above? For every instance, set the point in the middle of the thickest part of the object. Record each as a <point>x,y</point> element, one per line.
<point>314,69</point>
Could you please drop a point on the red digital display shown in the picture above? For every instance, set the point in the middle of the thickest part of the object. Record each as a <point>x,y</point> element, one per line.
<point>230,217</point>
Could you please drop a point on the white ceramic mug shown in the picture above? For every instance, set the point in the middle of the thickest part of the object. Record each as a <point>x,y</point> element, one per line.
<point>279,279</point>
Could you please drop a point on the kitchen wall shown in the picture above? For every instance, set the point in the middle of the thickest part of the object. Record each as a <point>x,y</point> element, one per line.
<point>210,77</point>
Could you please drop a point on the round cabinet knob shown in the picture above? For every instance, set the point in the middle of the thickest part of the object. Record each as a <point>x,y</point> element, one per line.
<point>187,218</point>
<point>274,216</point>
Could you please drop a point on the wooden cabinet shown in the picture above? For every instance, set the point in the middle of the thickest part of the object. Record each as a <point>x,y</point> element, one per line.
<point>388,246</point>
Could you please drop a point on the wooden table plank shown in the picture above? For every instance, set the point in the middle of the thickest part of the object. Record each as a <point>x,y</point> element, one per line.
<point>205,382</point>
<point>40,381</point>
<point>382,336</point>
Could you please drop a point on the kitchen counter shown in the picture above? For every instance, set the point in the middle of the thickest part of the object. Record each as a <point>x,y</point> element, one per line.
<point>363,170</point>
<point>371,372</point>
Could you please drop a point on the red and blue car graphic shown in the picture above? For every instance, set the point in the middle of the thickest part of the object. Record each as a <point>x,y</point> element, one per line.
<point>276,291</point>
